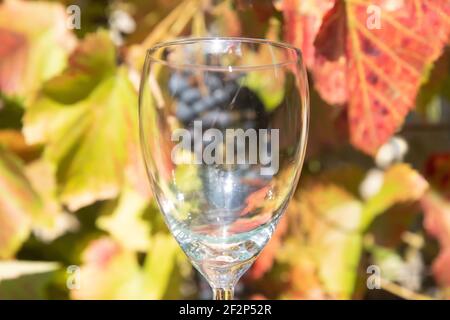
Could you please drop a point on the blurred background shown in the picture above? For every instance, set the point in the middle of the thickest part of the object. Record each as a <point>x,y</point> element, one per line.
<point>371,216</point>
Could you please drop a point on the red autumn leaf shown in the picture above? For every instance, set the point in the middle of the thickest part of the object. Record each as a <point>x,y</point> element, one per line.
<point>377,69</point>
<point>302,23</point>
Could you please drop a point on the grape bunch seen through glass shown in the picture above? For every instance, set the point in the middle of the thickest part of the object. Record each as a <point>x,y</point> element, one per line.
<point>223,125</point>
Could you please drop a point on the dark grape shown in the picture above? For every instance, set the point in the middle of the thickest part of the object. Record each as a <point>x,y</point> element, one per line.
<point>218,100</point>
<point>184,112</point>
<point>190,95</point>
<point>177,84</point>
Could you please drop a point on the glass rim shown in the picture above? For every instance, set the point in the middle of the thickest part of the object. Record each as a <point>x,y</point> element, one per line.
<point>190,40</point>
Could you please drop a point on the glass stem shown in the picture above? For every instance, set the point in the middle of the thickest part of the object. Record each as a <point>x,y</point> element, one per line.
<point>223,293</point>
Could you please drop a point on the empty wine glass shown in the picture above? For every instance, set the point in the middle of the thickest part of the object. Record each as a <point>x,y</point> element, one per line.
<point>223,127</point>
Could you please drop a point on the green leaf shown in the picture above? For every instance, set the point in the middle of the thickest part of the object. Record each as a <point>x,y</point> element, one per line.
<point>35,44</point>
<point>124,221</point>
<point>401,184</point>
<point>160,264</point>
<point>19,204</point>
<point>53,221</point>
<point>87,140</point>
<point>90,63</point>
<point>112,272</point>
<point>25,279</point>
<point>108,271</point>
<point>331,218</point>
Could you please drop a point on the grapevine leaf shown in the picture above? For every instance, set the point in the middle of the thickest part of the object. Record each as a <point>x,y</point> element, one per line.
<point>401,183</point>
<point>109,272</point>
<point>19,204</point>
<point>87,132</point>
<point>378,68</point>
<point>160,264</point>
<point>25,279</point>
<point>35,44</point>
<point>53,220</point>
<point>302,23</point>
<point>112,272</point>
<point>125,223</point>
<point>386,65</point>
<point>331,218</point>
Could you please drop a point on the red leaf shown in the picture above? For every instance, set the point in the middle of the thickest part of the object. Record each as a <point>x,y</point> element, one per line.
<point>302,23</point>
<point>381,69</point>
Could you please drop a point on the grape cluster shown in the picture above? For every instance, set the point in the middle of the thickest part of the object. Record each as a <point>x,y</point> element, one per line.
<point>217,101</point>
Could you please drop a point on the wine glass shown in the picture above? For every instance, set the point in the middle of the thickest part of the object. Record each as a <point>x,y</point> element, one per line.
<point>223,128</point>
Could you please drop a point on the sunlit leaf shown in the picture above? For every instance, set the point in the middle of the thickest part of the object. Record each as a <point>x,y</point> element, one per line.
<point>25,279</point>
<point>53,221</point>
<point>19,204</point>
<point>87,138</point>
<point>401,183</point>
<point>377,68</point>
<point>35,43</point>
<point>106,272</point>
<point>110,271</point>
<point>160,263</point>
<point>302,23</point>
<point>331,218</point>
<point>125,222</point>
<point>387,64</point>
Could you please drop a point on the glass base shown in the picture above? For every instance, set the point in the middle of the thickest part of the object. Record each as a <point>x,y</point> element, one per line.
<point>222,276</point>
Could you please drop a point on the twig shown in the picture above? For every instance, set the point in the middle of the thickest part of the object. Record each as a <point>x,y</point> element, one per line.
<point>402,292</point>
<point>160,31</point>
